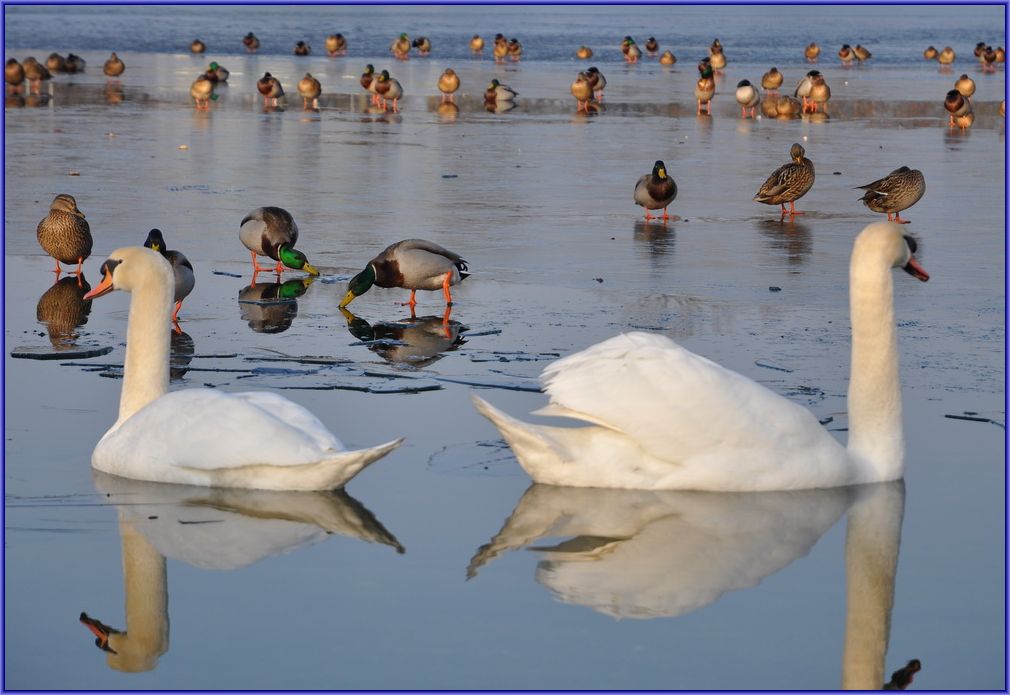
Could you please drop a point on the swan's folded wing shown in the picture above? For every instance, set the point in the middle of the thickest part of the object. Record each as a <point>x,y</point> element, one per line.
<point>674,403</point>
<point>210,429</point>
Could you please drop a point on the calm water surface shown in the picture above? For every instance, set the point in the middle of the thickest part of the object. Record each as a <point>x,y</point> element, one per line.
<point>441,566</point>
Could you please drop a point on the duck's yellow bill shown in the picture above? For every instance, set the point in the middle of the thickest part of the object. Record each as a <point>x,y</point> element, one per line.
<point>348,298</point>
<point>310,269</point>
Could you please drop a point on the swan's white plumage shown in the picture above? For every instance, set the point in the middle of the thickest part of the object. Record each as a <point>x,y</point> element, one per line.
<point>661,417</point>
<point>253,440</point>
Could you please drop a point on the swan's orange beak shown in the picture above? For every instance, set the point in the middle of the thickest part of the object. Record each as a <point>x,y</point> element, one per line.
<point>100,630</point>
<point>914,269</point>
<point>104,287</point>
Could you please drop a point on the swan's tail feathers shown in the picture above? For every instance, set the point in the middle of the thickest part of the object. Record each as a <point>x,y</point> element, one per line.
<point>527,441</point>
<point>348,464</point>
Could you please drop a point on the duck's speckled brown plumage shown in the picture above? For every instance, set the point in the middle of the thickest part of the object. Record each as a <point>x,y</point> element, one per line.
<point>114,67</point>
<point>790,181</point>
<point>772,79</point>
<point>899,190</point>
<point>64,233</point>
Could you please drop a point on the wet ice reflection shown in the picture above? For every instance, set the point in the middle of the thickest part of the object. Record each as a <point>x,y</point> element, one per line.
<point>271,307</point>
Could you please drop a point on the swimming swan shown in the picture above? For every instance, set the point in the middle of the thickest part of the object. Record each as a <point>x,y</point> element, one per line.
<point>688,423</point>
<point>203,436</point>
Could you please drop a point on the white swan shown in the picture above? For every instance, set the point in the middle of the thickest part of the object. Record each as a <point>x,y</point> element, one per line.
<point>206,437</point>
<point>688,423</point>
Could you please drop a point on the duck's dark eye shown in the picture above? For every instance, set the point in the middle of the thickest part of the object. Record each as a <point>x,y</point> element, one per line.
<point>912,246</point>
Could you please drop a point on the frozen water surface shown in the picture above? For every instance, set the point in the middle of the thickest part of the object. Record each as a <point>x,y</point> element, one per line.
<point>226,590</point>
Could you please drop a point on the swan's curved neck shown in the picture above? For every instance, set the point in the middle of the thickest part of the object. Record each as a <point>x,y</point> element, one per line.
<point>871,561</point>
<point>146,586</point>
<point>876,441</point>
<point>148,343</point>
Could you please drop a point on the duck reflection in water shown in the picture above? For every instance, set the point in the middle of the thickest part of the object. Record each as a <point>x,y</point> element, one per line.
<point>212,529</point>
<point>183,349</point>
<point>271,307</point>
<point>787,237</point>
<point>658,236</point>
<point>415,341</point>
<point>649,553</point>
<point>62,309</point>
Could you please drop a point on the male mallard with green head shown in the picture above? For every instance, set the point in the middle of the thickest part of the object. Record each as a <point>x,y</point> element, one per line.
<point>597,81</point>
<point>64,233</point>
<point>899,190</point>
<point>388,88</point>
<point>652,46</point>
<point>704,89</point>
<point>270,87</point>
<point>185,279</point>
<point>656,190</point>
<point>496,91</point>
<point>957,105</point>
<point>251,43</point>
<point>413,264</point>
<point>789,182</point>
<point>272,232</point>
<point>748,96</point>
<point>423,45</point>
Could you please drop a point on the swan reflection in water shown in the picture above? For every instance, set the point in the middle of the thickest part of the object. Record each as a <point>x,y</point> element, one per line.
<point>271,307</point>
<point>62,309</point>
<point>656,553</point>
<point>212,529</point>
<point>417,341</point>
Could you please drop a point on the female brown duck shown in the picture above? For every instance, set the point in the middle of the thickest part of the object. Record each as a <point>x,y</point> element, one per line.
<point>789,182</point>
<point>899,190</point>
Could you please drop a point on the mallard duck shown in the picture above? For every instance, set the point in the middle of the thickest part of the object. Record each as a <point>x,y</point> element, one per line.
<point>448,83</point>
<point>748,96</point>
<point>667,58</point>
<point>74,63</point>
<point>803,88</point>
<point>811,52</point>
<point>476,44</point>
<point>309,88</point>
<point>1000,54</point>
<point>36,73</point>
<point>64,233</point>
<point>656,190</point>
<point>202,91</point>
<point>302,49</point>
<point>14,74</point>
<point>930,53</point>
<point>861,53</point>
<point>1002,108</point>
<point>789,182</point>
<point>423,45</point>
<point>197,46</point>
<point>113,67</point>
<point>899,190</point>
<point>584,53</point>
<point>597,81</point>
<point>336,45</point>
<point>400,47</point>
<point>772,80</point>
<point>704,89</point>
<point>388,88</point>
<point>651,46</point>
<point>413,264</point>
<point>496,91</point>
<point>717,57</point>
<point>202,436</point>
<point>946,56</point>
<point>270,87</point>
<point>957,105</point>
<point>251,43</point>
<point>182,269</point>
<point>515,50</point>
<point>965,85</point>
<point>367,80</point>
<point>418,342</point>
<point>979,49</point>
<point>501,48</point>
<point>582,90</point>
<point>630,49</point>
<point>56,63</point>
<point>788,107</point>
<point>820,93</point>
<point>989,60</point>
<point>846,54</point>
<point>218,73</point>
<point>658,416</point>
<point>272,232</point>
<point>272,307</point>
